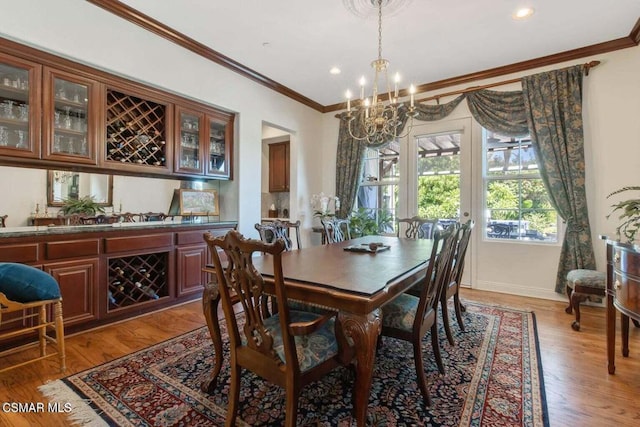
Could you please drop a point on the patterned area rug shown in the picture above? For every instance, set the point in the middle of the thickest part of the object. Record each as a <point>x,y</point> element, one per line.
<point>493,378</point>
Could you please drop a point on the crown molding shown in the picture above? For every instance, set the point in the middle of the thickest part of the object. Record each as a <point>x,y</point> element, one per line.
<point>156,27</point>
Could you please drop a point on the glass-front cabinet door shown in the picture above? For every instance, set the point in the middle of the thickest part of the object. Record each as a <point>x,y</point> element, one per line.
<point>189,148</point>
<point>70,117</point>
<point>19,107</point>
<point>220,138</point>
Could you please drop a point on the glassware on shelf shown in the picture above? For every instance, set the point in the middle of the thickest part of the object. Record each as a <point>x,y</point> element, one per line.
<point>57,115</point>
<point>67,118</point>
<point>23,110</point>
<point>4,136</point>
<point>7,109</point>
<point>57,143</point>
<point>22,139</point>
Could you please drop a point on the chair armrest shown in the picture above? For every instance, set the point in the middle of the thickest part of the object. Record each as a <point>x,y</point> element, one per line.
<point>305,328</point>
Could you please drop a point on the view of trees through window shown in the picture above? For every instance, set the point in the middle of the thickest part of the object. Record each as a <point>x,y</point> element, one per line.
<point>516,202</point>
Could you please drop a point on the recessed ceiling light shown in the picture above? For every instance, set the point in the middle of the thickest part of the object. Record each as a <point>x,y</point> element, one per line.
<point>335,70</point>
<point>523,13</point>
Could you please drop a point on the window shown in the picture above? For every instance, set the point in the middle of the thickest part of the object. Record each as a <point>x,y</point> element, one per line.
<point>516,201</point>
<point>378,193</point>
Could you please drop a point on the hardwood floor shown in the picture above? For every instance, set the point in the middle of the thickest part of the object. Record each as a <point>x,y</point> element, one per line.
<point>579,391</point>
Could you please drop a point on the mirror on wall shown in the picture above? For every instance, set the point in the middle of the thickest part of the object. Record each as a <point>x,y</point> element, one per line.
<point>62,185</point>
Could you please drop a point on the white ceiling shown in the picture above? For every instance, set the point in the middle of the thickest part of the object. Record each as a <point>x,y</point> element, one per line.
<point>296,42</point>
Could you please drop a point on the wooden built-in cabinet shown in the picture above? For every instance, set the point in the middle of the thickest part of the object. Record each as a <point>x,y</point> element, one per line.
<point>20,103</point>
<point>71,112</point>
<point>279,167</point>
<point>203,143</point>
<point>55,113</point>
<point>110,273</point>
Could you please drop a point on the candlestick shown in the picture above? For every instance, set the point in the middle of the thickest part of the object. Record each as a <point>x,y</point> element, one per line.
<point>348,95</point>
<point>412,90</point>
<point>362,83</point>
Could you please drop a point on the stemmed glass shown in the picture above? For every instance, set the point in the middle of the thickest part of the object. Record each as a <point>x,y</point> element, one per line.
<point>7,109</point>
<point>4,136</point>
<point>22,143</point>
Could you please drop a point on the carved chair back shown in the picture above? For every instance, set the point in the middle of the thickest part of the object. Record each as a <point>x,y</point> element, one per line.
<point>417,228</point>
<point>336,230</point>
<point>271,231</point>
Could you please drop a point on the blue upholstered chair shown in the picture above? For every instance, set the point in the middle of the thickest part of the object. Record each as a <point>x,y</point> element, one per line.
<point>291,348</point>
<point>583,285</point>
<point>410,317</point>
<point>34,298</point>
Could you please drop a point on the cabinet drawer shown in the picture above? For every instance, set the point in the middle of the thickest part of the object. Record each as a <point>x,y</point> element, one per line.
<point>134,243</point>
<point>19,253</point>
<point>625,260</point>
<point>196,237</point>
<point>627,289</point>
<point>72,248</point>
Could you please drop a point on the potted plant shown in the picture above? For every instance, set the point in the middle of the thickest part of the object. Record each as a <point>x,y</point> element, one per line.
<point>629,216</point>
<point>82,206</point>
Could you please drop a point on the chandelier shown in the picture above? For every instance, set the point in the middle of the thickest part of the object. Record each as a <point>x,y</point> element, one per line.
<point>378,119</point>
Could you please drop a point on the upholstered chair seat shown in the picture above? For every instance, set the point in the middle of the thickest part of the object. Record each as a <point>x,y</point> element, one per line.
<point>34,298</point>
<point>583,285</point>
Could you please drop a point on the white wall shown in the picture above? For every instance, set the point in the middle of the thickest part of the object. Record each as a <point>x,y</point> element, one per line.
<point>612,150</point>
<point>87,34</point>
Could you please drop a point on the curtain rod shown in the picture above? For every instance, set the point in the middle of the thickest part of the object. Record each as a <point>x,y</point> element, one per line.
<point>586,66</point>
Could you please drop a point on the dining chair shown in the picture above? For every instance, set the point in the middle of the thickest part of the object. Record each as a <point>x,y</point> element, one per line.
<point>271,231</point>
<point>452,289</point>
<point>410,317</point>
<point>336,229</point>
<point>153,216</point>
<point>417,227</point>
<point>290,348</point>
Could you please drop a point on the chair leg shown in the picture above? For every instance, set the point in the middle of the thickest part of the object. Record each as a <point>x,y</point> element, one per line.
<point>459,309</point>
<point>59,323</point>
<point>569,309</point>
<point>291,405</point>
<point>42,330</point>
<point>445,318</point>
<point>422,378</point>
<point>436,348</point>
<point>575,303</point>
<point>635,323</point>
<point>234,395</point>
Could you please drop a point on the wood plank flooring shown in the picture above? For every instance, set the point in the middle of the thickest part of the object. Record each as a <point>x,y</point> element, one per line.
<point>579,391</point>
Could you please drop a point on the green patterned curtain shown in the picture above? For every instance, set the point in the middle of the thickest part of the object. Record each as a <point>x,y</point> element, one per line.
<point>553,101</point>
<point>499,112</point>
<point>349,162</point>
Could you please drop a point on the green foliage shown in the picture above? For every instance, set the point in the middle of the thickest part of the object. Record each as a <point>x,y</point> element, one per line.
<point>84,206</point>
<point>439,196</point>
<point>630,214</point>
<point>366,222</point>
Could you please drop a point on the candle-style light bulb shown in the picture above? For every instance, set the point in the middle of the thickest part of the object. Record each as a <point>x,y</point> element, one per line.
<point>348,96</point>
<point>412,91</point>
<point>366,108</point>
<point>362,83</point>
<point>396,80</point>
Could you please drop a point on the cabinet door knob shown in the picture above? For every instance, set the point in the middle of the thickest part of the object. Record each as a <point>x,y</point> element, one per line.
<point>616,258</point>
<point>617,285</point>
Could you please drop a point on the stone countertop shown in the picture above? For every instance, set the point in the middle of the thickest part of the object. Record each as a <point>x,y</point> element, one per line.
<point>44,230</point>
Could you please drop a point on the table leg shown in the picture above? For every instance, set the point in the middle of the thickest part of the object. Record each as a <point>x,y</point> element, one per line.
<point>364,331</point>
<point>611,334</point>
<point>210,301</point>
<point>624,326</point>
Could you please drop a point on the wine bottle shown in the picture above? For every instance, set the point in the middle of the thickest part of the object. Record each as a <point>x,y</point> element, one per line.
<point>147,291</point>
<point>112,300</point>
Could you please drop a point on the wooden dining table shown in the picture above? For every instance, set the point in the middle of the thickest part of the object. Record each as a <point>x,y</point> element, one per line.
<point>354,283</point>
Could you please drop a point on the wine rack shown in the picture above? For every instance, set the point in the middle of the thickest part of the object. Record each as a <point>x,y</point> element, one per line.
<point>135,130</point>
<point>137,279</point>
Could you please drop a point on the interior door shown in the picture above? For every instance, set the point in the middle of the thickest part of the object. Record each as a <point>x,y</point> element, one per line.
<point>439,175</point>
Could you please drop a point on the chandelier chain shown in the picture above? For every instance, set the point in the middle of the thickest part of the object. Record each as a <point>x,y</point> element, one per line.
<point>379,29</point>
